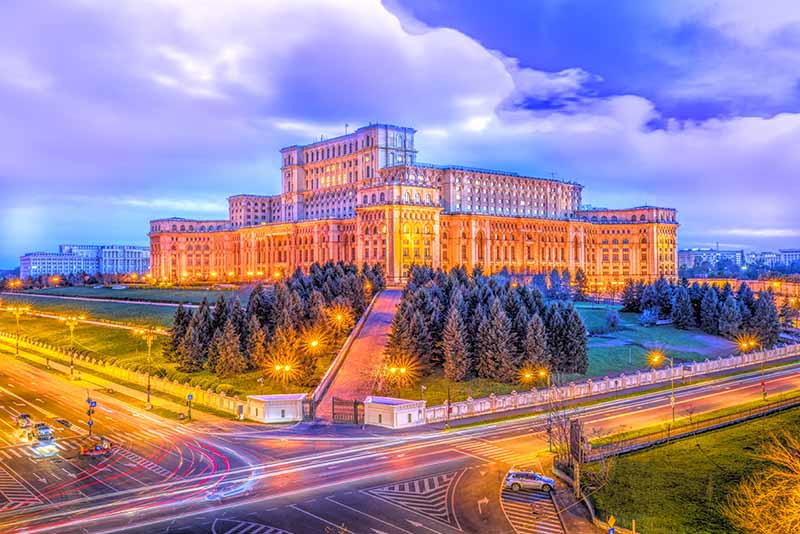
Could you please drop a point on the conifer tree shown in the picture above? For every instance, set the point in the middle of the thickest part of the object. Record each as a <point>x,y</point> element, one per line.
<point>766,321</point>
<point>495,346</point>
<point>581,284</point>
<point>230,360</point>
<point>682,312</point>
<point>554,327</point>
<point>649,300</point>
<point>535,346</point>
<point>454,347</point>
<point>575,343</point>
<point>214,348</point>
<point>555,290</point>
<point>730,320</point>
<point>663,298</point>
<point>257,344</point>
<point>180,324</point>
<point>709,311</point>
<point>219,314</point>
<point>631,302</point>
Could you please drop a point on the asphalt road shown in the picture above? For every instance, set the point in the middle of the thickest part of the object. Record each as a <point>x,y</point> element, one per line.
<point>298,480</point>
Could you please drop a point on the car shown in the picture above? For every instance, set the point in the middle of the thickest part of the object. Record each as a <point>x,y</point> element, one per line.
<point>23,420</point>
<point>523,479</point>
<point>102,448</point>
<point>228,490</point>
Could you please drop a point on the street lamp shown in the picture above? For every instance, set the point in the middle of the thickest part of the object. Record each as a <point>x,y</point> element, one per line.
<point>18,310</point>
<point>283,370</point>
<point>149,335</point>
<point>656,357</point>
<point>72,321</point>
<point>542,374</point>
<point>750,343</point>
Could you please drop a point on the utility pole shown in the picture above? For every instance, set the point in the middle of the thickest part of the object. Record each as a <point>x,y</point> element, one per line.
<point>189,398</point>
<point>90,411</point>
<point>149,334</point>
<point>18,310</point>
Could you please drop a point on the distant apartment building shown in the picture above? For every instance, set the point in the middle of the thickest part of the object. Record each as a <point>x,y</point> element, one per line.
<point>769,259</point>
<point>789,255</point>
<point>91,259</point>
<point>696,256</point>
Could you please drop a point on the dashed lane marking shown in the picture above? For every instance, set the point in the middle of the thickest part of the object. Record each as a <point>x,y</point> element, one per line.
<point>231,526</point>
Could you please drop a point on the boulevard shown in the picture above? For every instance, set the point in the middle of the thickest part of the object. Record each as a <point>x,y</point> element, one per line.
<point>306,478</point>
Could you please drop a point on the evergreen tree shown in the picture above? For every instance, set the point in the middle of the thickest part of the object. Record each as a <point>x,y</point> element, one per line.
<point>649,300</point>
<point>787,313</point>
<point>214,348</point>
<point>730,320</point>
<point>575,343</point>
<point>454,347</point>
<point>555,290</point>
<point>581,284</point>
<point>399,340</point>
<point>219,315</point>
<point>631,301</point>
<point>180,324</point>
<point>495,346</point>
<point>613,320</point>
<point>555,329</point>
<point>238,318</point>
<point>316,308</point>
<point>709,311</point>
<point>747,299</point>
<point>257,344</point>
<point>519,327</point>
<point>230,360</point>
<point>696,296</point>
<point>535,345</point>
<point>566,284</point>
<point>422,342</point>
<point>663,298</point>
<point>682,312</point>
<point>766,321</point>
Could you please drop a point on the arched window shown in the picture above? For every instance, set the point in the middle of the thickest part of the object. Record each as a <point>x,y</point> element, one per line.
<point>428,198</point>
<point>364,199</point>
<point>642,218</point>
<point>383,197</point>
<point>407,197</point>
<point>374,198</point>
<point>417,198</point>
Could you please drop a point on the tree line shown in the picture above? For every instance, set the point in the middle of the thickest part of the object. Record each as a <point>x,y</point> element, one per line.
<point>717,311</point>
<point>489,327</point>
<point>288,324</point>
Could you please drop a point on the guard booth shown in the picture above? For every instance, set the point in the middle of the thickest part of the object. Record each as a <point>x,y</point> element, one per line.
<point>287,408</point>
<point>390,412</point>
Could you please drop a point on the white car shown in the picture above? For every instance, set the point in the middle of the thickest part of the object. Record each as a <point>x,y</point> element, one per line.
<point>520,479</point>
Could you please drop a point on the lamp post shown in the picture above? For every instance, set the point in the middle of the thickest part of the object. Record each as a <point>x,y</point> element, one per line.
<point>72,321</point>
<point>750,344</point>
<point>284,370</point>
<point>149,335</point>
<point>656,357</point>
<point>542,374</point>
<point>18,310</point>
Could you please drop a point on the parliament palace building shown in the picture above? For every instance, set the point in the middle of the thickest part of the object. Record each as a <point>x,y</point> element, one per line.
<point>364,198</point>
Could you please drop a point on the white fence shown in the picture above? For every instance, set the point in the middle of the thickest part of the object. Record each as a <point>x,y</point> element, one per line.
<point>588,388</point>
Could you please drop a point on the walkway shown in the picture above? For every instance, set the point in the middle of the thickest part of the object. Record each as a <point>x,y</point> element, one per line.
<point>356,377</point>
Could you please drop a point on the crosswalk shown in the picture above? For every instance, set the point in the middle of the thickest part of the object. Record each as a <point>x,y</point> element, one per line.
<point>141,462</point>
<point>431,497</point>
<point>488,451</point>
<point>72,445</point>
<point>14,493</point>
<point>231,526</point>
<point>531,512</point>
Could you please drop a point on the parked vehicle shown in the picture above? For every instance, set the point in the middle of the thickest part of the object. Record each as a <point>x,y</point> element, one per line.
<point>102,448</point>
<point>523,479</point>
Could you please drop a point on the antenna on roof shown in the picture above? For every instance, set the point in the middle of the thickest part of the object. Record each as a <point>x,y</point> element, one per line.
<point>345,128</point>
<point>553,175</point>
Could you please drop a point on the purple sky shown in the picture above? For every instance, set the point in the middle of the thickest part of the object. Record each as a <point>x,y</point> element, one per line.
<point>115,113</point>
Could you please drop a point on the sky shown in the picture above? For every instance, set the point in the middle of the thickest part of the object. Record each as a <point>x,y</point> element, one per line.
<point>115,113</point>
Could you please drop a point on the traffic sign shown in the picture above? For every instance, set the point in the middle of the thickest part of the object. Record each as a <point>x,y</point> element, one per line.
<point>90,422</point>
<point>190,396</point>
<point>611,530</point>
<point>93,404</point>
<point>612,521</point>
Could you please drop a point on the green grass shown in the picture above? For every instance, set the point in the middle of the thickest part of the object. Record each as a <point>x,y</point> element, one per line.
<point>679,487</point>
<point>142,293</point>
<point>125,350</point>
<point>137,314</point>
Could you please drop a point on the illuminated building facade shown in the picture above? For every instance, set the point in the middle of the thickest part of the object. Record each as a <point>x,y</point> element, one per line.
<point>364,198</point>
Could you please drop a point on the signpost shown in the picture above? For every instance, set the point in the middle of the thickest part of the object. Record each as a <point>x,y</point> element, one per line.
<point>189,399</point>
<point>611,522</point>
<point>92,405</point>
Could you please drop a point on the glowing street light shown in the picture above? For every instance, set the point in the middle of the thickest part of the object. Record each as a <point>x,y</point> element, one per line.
<point>72,321</point>
<point>18,310</point>
<point>657,357</point>
<point>283,370</point>
<point>748,343</point>
<point>149,334</point>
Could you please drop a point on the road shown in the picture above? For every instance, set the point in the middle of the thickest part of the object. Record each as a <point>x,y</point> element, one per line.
<point>296,480</point>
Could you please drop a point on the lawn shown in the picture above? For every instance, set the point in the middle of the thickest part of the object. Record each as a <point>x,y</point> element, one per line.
<point>154,294</point>
<point>118,312</point>
<point>680,487</point>
<point>623,351</point>
<point>128,351</point>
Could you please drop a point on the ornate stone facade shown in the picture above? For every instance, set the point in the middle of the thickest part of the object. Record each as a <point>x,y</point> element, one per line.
<point>363,197</point>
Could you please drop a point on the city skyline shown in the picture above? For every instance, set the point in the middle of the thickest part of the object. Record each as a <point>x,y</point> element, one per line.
<point>155,113</point>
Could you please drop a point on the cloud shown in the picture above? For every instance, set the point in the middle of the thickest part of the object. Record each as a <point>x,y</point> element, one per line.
<point>163,107</point>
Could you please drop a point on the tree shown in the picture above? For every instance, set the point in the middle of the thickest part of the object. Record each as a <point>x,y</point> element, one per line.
<point>230,361</point>
<point>788,313</point>
<point>554,291</point>
<point>631,300</point>
<point>555,329</point>
<point>180,324</point>
<point>766,321</point>
<point>709,311</point>
<point>730,320</point>
<point>581,284</point>
<point>613,320</point>
<point>534,353</point>
<point>220,314</point>
<point>649,299</point>
<point>682,311</point>
<point>575,343</point>
<point>495,346</point>
<point>257,344</point>
<point>213,351</point>
<point>663,298</point>
<point>454,347</point>
<point>767,501</point>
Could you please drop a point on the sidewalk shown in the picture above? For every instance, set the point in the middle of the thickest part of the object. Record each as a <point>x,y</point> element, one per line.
<point>355,378</point>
